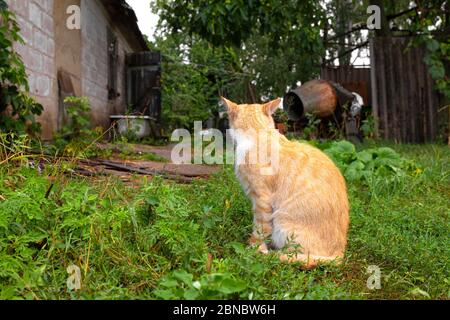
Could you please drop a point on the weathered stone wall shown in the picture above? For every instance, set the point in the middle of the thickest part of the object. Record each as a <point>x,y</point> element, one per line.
<point>35,18</point>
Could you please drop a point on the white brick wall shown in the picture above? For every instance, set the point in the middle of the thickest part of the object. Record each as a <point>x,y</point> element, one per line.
<point>36,23</point>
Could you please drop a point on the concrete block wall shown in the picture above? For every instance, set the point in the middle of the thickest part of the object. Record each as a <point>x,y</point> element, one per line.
<point>95,62</point>
<point>37,22</point>
<point>94,66</point>
<point>35,18</point>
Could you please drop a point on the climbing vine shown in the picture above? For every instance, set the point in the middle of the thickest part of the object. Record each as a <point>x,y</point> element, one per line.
<point>17,108</point>
<point>438,54</point>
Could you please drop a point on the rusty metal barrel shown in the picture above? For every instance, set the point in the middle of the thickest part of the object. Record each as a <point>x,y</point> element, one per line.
<point>318,97</point>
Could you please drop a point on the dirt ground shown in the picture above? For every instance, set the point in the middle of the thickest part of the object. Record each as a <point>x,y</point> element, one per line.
<point>126,166</point>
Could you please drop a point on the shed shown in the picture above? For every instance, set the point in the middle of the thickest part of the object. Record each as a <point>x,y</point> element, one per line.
<point>90,60</point>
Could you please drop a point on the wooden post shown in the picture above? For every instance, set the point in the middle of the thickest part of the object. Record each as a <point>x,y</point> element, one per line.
<point>373,80</point>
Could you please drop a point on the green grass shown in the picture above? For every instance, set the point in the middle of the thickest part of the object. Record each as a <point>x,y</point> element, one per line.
<point>172,241</point>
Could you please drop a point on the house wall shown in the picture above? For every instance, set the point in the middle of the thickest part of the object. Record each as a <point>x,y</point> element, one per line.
<point>67,56</point>
<point>68,48</point>
<point>35,18</point>
<point>95,62</point>
<point>50,46</point>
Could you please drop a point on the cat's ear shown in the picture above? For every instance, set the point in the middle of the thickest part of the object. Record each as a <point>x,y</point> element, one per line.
<point>272,106</point>
<point>231,106</point>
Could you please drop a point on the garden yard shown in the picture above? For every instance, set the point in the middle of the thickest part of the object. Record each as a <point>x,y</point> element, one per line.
<point>88,213</point>
<point>158,239</point>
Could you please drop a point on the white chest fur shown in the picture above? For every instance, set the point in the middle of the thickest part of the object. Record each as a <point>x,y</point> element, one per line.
<point>243,145</point>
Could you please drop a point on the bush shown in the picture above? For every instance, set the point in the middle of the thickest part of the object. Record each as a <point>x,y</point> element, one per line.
<point>77,136</point>
<point>369,163</point>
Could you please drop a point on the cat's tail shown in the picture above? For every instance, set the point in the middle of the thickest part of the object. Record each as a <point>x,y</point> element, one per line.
<point>309,261</point>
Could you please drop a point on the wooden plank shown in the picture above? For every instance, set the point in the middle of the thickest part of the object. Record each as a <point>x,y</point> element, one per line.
<point>136,86</point>
<point>404,92</point>
<point>400,83</point>
<point>431,106</point>
<point>382,89</point>
<point>391,91</point>
<point>378,88</point>
<point>374,96</point>
<point>395,60</point>
<point>421,98</point>
<point>411,104</point>
<point>416,95</point>
<point>379,92</point>
<point>128,86</point>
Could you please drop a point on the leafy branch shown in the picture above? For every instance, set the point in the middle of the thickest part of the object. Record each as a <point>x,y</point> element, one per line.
<point>17,108</point>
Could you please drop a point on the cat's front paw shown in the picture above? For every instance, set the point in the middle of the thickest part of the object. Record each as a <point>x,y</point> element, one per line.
<point>255,241</point>
<point>263,249</point>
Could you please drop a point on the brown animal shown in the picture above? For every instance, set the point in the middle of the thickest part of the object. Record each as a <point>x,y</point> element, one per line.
<point>302,204</point>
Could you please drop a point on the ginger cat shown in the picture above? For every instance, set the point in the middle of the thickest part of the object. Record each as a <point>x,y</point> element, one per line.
<point>303,205</point>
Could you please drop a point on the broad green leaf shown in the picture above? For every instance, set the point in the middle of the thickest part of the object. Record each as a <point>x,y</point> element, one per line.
<point>229,285</point>
<point>183,276</point>
<point>354,171</point>
<point>191,294</point>
<point>364,156</point>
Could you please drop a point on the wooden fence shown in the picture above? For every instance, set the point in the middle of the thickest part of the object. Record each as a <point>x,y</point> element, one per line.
<point>404,98</point>
<point>351,78</point>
